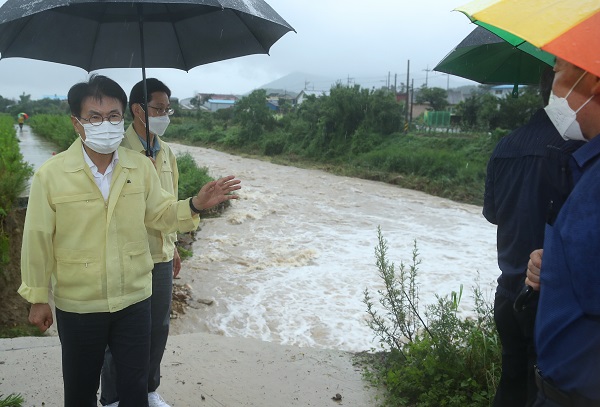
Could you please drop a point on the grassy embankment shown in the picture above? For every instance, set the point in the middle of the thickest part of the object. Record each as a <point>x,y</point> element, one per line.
<point>449,165</point>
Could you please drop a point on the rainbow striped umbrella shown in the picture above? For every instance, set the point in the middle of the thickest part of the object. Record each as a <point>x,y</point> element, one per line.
<point>569,29</point>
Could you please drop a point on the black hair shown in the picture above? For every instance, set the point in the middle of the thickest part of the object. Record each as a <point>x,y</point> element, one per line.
<point>97,87</point>
<point>152,85</point>
<point>546,81</point>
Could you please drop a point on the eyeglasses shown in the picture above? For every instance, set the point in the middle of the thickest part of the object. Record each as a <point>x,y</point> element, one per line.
<point>162,112</point>
<point>97,120</point>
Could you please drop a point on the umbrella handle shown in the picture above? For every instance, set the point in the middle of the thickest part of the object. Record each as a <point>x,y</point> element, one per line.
<point>140,7</point>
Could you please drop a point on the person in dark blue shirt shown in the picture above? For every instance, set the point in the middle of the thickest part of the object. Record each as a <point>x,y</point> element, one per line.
<point>567,332</point>
<point>527,182</point>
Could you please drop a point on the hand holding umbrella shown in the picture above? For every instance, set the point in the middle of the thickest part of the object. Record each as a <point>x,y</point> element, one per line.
<point>96,34</point>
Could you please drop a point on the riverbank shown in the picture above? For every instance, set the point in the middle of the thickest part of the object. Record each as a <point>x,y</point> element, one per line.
<point>206,370</point>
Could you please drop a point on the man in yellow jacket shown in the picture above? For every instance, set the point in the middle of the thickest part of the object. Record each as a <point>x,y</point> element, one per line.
<point>167,263</point>
<point>85,235</point>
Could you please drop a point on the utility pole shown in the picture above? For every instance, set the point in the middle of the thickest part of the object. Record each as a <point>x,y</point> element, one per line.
<point>412,96</point>
<point>426,74</point>
<point>395,81</point>
<point>348,81</point>
<point>389,81</point>
<point>407,92</point>
<point>306,84</point>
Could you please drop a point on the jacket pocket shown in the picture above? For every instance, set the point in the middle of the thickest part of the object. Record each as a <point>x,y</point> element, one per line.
<point>74,198</point>
<point>138,265</point>
<point>129,214</point>
<point>166,180</point>
<point>78,275</point>
<point>76,215</point>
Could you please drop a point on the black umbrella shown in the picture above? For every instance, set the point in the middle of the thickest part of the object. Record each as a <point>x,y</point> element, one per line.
<point>100,34</point>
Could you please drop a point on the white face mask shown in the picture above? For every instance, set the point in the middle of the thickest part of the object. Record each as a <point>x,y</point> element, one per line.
<point>563,117</point>
<point>105,138</point>
<point>159,124</point>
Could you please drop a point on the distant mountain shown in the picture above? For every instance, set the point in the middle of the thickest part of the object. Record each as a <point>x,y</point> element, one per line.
<point>297,81</point>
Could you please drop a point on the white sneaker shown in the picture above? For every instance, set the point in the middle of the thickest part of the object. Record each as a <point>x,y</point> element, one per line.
<point>154,400</point>
<point>115,404</point>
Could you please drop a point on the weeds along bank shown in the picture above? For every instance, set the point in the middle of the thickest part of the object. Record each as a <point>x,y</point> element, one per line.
<point>55,128</point>
<point>447,165</point>
<point>432,356</point>
<point>14,173</point>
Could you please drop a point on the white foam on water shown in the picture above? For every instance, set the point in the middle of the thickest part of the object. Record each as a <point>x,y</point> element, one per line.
<point>289,261</point>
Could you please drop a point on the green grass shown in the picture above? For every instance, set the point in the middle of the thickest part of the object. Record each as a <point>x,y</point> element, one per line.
<point>13,400</point>
<point>19,331</point>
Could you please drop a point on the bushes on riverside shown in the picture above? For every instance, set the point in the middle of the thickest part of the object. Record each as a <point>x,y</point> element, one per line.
<point>14,173</point>
<point>191,176</point>
<point>429,359</point>
<point>55,128</point>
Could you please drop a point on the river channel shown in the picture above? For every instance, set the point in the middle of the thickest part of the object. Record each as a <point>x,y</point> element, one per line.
<point>289,261</point>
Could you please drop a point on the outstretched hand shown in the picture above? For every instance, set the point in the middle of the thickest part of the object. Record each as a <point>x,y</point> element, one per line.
<point>215,192</point>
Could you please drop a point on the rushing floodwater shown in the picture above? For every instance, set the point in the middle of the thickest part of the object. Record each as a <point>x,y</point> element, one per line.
<point>289,262</point>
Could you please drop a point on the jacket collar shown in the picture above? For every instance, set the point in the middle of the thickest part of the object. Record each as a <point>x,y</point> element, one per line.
<point>588,152</point>
<point>74,160</point>
<point>132,141</point>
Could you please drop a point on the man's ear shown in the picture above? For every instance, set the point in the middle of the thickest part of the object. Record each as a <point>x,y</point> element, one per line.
<point>137,110</point>
<point>77,126</point>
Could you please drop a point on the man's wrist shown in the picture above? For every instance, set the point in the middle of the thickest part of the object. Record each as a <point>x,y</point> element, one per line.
<point>193,208</point>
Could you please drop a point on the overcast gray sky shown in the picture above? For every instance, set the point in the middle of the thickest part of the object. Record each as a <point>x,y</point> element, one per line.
<point>337,39</point>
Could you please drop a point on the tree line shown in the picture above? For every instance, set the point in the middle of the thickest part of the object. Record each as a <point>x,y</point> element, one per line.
<point>352,131</point>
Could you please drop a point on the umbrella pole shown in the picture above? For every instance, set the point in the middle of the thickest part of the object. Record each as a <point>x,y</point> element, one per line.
<point>141,25</point>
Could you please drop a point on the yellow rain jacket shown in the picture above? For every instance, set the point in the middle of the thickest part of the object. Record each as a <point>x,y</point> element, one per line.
<point>94,253</point>
<point>162,245</point>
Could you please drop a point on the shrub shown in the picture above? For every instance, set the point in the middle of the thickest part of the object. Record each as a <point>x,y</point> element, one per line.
<point>440,360</point>
<point>191,177</point>
<point>14,173</point>
<point>182,131</point>
<point>55,128</point>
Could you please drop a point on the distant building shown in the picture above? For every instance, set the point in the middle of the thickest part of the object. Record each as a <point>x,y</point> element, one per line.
<point>213,101</point>
<point>306,93</point>
<point>501,91</point>
<point>217,104</point>
<point>401,97</point>
<point>455,96</point>
<point>273,105</point>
